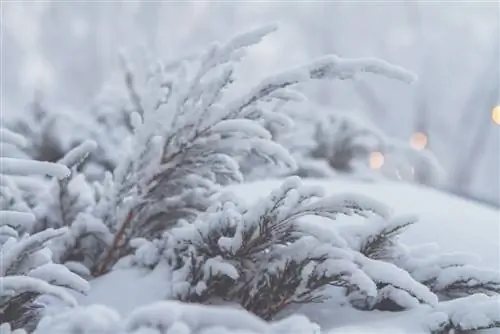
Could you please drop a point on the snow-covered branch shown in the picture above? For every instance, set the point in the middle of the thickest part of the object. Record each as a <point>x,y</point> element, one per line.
<point>26,270</point>
<point>188,140</point>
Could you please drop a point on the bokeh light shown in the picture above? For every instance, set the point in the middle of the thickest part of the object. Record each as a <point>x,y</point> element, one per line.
<point>376,160</point>
<point>418,141</point>
<point>495,115</point>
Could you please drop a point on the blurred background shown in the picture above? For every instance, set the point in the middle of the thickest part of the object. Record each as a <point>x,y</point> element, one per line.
<point>69,51</point>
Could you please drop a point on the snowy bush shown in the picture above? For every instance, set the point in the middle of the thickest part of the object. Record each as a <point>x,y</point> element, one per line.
<point>51,132</point>
<point>335,143</point>
<point>270,256</point>
<point>328,143</point>
<point>469,314</point>
<point>346,141</point>
<point>73,202</point>
<point>446,275</point>
<point>183,138</point>
<point>26,270</point>
<point>189,136</point>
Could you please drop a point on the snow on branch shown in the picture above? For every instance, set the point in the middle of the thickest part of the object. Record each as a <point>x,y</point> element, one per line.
<point>266,257</point>
<point>26,273</point>
<point>378,241</point>
<point>270,255</point>
<point>16,219</point>
<point>468,314</point>
<point>9,137</point>
<point>14,166</point>
<point>26,269</point>
<point>15,215</point>
<point>71,202</point>
<point>326,143</point>
<point>78,154</point>
<point>326,68</point>
<point>17,285</point>
<point>336,67</point>
<point>188,140</point>
<point>452,275</point>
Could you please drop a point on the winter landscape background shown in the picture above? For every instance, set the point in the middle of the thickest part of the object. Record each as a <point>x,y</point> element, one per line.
<point>250,167</point>
<point>70,50</point>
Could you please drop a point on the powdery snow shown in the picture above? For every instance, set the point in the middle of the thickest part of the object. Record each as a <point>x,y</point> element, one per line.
<point>455,224</point>
<point>14,166</point>
<point>126,289</point>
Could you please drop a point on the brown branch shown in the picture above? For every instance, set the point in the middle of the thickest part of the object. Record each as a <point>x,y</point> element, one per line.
<point>102,267</point>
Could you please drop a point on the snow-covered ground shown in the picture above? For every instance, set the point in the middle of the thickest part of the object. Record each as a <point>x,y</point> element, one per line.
<point>452,223</point>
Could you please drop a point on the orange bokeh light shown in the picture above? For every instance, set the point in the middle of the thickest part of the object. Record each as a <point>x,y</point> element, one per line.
<point>495,114</point>
<point>418,141</point>
<point>376,160</point>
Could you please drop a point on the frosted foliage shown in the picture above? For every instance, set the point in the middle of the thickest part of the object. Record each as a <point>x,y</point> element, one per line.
<point>266,257</point>
<point>26,269</point>
<point>49,132</point>
<point>345,139</point>
<point>27,272</point>
<point>72,202</point>
<point>451,275</point>
<point>184,136</point>
<point>52,132</point>
<point>326,143</point>
<point>189,135</point>
<point>468,314</point>
<point>270,255</point>
<point>168,317</point>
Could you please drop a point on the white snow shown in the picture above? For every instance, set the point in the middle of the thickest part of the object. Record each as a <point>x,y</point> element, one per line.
<point>79,153</point>
<point>455,224</point>
<point>170,317</point>
<point>13,166</point>
<point>248,127</point>
<point>14,285</point>
<point>9,137</point>
<point>473,311</point>
<point>335,67</point>
<point>60,276</point>
<point>14,249</point>
<point>14,218</point>
<point>126,289</point>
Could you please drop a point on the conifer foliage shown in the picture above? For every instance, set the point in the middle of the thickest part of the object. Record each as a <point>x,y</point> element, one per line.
<point>270,255</point>
<point>26,268</point>
<point>163,204</point>
<point>188,136</point>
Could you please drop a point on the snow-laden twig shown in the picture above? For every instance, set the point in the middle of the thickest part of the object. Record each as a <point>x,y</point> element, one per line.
<point>26,269</point>
<point>188,139</point>
<point>13,166</point>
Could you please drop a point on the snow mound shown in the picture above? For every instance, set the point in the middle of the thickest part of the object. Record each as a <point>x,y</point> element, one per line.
<point>126,289</point>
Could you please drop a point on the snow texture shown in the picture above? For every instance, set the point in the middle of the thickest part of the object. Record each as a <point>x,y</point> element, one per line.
<point>163,224</point>
<point>169,317</point>
<point>330,314</point>
<point>189,135</point>
<point>27,272</point>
